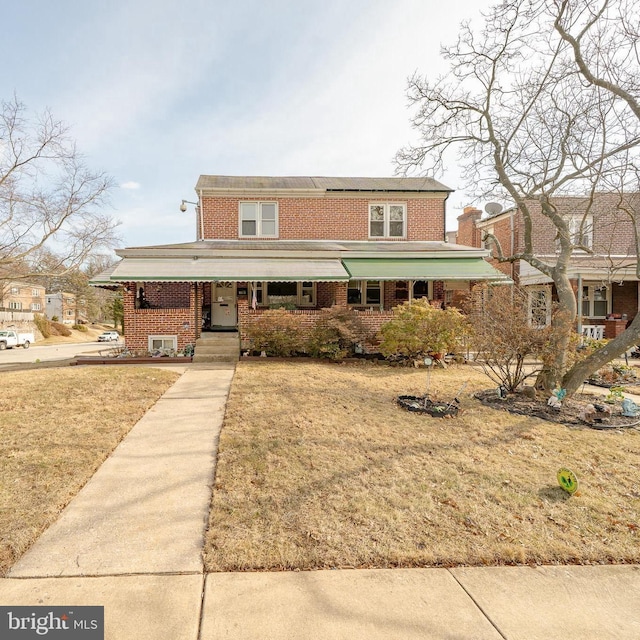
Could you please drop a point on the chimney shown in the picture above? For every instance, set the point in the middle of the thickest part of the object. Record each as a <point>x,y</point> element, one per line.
<point>467,233</point>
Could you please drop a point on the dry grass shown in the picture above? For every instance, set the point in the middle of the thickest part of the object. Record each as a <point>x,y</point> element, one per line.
<point>318,468</point>
<point>56,428</point>
<point>90,335</point>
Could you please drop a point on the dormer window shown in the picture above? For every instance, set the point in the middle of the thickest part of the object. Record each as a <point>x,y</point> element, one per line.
<point>258,220</point>
<point>387,220</point>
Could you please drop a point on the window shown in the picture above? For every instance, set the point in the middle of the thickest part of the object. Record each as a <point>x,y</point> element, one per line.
<point>259,219</point>
<point>15,305</point>
<point>414,289</point>
<point>387,220</point>
<point>539,306</point>
<point>15,291</point>
<point>35,293</point>
<point>488,243</point>
<point>36,306</point>
<point>595,301</point>
<point>422,289</point>
<point>163,343</point>
<point>365,292</point>
<point>581,230</point>
<point>301,294</point>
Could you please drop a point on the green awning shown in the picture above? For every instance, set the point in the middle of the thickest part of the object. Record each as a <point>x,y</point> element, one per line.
<point>227,270</point>
<point>422,269</point>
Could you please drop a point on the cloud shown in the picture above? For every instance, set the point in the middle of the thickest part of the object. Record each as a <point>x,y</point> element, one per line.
<point>130,185</point>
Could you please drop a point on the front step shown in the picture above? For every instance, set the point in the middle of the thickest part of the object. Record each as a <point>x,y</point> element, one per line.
<point>217,347</point>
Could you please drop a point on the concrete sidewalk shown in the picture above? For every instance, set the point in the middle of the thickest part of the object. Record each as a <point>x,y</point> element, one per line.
<point>492,603</point>
<point>146,508</point>
<point>131,541</point>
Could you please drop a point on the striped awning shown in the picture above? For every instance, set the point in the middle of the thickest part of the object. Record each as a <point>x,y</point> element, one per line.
<point>227,270</point>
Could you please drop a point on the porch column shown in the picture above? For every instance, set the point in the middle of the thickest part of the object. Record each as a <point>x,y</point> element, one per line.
<point>340,291</point>
<point>195,304</point>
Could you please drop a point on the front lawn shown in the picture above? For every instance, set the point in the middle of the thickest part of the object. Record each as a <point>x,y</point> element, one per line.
<point>319,468</point>
<point>57,426</point>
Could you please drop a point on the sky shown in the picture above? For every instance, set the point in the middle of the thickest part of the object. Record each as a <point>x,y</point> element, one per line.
<point>157,93</point>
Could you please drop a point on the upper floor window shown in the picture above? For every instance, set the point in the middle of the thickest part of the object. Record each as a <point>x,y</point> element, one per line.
<point>259,219</point>
<point>581,230</point>
<point>15,291</point>
<point>387,220</point>
<point>35,293</point>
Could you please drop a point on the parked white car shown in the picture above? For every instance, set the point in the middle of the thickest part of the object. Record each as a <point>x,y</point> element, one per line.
<point>109,336</point>
<point>10,339</point>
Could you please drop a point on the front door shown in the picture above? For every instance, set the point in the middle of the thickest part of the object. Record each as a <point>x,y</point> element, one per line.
<point>223,305</point>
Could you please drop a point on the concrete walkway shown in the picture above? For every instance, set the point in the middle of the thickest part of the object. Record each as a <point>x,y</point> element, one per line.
<point>131,541</point>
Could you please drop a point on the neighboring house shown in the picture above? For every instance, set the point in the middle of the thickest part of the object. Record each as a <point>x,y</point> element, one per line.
<point>66,308</point>
<point>307,243</point>
<point>22,296</point>
<point>603,272</point>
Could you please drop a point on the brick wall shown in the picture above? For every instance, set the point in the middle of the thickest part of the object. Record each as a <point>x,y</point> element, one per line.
<point>372,320</point>
<point>326,217</point>
<point>167,295</point>
<point>624,299</point>
<point>139,324</point>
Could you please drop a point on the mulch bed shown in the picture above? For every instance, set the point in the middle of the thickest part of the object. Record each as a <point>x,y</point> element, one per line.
<point>568,413</point>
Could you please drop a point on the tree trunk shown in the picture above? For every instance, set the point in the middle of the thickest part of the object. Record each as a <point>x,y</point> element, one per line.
<point>562,325</point>
<point>583,369</point>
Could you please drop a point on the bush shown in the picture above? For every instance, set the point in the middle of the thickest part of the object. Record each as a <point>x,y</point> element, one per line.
<point>277,332</point>
<point>502,334</point>
<point>419,329</point>
<point>55,319</point>
<point>42,324</point>
<point>80,327</point>
<point>58,329</point>
<point>336,334</point>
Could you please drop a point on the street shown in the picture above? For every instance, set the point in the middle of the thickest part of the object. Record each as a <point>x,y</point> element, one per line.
<point>18,355</point>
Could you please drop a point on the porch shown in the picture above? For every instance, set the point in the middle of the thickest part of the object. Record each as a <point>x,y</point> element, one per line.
<point>173,294</point>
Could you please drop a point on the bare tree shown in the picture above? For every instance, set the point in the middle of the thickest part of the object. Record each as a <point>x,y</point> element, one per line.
<point>50,202</point>
<point>537,110</point>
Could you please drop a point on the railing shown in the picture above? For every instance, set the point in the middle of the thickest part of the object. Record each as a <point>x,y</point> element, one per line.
<point>14,315</point>
<point>593,331</point>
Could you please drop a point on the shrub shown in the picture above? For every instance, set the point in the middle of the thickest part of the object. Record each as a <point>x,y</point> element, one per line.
<point>55,319</point>
<point>277,332</point>
<point>80,327</point>
<point>336,334</point>
<point>58,329</point>
<point>419,329</point>
<point>42,324</point>
<point>502,334</point>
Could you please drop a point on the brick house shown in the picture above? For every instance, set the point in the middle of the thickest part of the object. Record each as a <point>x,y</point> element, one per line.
<point>603,276</point>
<point>307,243</point>
<point>22,296</point>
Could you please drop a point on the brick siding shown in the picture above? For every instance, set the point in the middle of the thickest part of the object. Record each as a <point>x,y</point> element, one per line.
<point>139,324</point>
<point>325,217</point>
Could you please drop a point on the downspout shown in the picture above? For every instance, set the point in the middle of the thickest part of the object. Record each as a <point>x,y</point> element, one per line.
<point>195,312</point>
<point>200,220</point>
<point>444,217</point>
<point>579,304</point>
<point>513,243</point>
